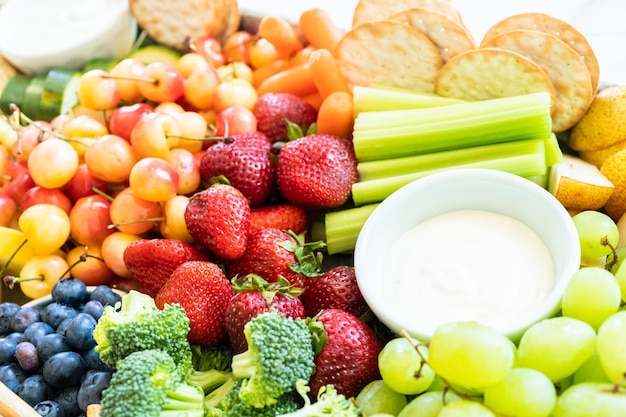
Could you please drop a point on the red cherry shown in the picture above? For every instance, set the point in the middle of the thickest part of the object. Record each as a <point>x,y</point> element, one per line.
<point>124,118</point>
<point>41,195</point>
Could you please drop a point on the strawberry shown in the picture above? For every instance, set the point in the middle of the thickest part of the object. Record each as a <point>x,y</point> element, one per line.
<point>316,171</point>
<point>279,216</point>
<point>246,163</point>
<point>272,110</point>
<point>218,218</point>
<point>272,253</point>
<point>151,261</point>
<point>349,356</point>
<point>202,290</point>
<point>253,296</point>
<point>337,288</point>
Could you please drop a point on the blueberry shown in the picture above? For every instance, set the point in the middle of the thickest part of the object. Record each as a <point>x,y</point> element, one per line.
<point>67,398</point>
<point>64,369</point>
<point>93,361</point>
<point>70,291</point>
<point>7,350</point>
<point>24,317</point>
<point>7,312</point>
<point>35,331</point>
<point>26,355</point>
<point>54,313</point>
<point>79,332</point>
<point>49,408</point>
<point>51,344</point>
<point>91,388</point>
<point>62,327</point>
<point>94,308</point>
<point>105,295</point>
<point>17,336</point>
<point>34,390</point>
<point>12,376</point>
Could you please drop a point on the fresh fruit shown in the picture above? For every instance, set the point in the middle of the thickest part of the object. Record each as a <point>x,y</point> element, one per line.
<point>201,288</point>
<point>403,366</point>
<point>613,170</point>
<point>336,288</point>
<point>279,216</point>
<point>597,232</point>
<point>273,110</point>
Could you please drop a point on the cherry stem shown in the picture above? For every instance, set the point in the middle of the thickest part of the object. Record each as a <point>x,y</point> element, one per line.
<point>10,280</point>
<point>134,221</point>
<point>6,264</point>
<point>101,193</point>
<point>138,79</point>
<point>226,139</point>
<point>82,258</point>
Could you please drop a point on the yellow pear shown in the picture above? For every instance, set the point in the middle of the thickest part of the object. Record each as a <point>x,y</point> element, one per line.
<point>614,168</point>
<point>598,156</point>
<point>579,185</point>
<point>604,124</point>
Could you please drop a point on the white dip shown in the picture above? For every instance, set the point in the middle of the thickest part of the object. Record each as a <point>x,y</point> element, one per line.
<point>468,265</point>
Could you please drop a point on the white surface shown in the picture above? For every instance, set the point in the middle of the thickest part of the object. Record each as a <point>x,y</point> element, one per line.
<point>601,21</point>
<point>459,189</point>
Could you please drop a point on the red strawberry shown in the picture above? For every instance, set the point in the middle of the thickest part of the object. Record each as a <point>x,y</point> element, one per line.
<point>246,162</point>
<point>349,357</point>
<point>272,253</point>
<point>218,218</point>
<point>253,296</point>
<point>202,290</point>
<point>151,261</point>
<point>279,216</point>
<point>271,110</point>
<point>337,288</point>
<point>317,171</point>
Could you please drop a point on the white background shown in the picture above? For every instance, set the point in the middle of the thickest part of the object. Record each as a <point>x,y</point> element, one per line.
<point>603,22</point>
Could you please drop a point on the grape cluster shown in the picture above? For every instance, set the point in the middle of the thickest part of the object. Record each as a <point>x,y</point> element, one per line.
<point>47,350</point>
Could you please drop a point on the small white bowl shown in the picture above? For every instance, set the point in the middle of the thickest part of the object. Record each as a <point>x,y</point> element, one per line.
<point>397,304</point>
<point>38,35</point>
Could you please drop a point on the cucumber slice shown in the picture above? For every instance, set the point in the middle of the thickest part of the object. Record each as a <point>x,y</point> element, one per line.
<point>57,79</point>
<point>155,53</point>
<point>104,64</point>
<point>60,90</point>
<point>32,97</point>
<point>13,92</point>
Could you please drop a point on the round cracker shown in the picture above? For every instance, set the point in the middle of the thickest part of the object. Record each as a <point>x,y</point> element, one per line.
<point>390,53</point>
<point>488,73</point>
<point>566,69</point>
<point>449,36</point>
<point>554,26</point>
<point>370,10</point>
<point>170,24</point>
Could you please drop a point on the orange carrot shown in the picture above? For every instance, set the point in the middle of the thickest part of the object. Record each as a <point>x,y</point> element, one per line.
<point>314,99</point>
<point>326,73</point>
<point>296,80</point>
<point>318,29</point>
<point>282,34</point>
<point>335,115</point>
<point>262,73</point>
<point>299,58</point>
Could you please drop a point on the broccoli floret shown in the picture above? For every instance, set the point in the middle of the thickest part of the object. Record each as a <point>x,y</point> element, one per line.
<point>208,380</point>
<point>147,383</point>
<point>217,357</point>
<point>138,324</point>
<point>280,352</point>
<point>231,405</point>
<point>329,403</point>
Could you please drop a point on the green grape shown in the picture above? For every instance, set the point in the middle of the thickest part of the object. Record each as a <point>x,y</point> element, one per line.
<point>616,259</point>
<point>557,346</point>
<point>465,408</point>
<point>592,295</point>
<point>620,277</point>
<point>611,346</point>
<point>377,397</point>
<point>590,399</point>
<point>591,371</point>
<point>523,392</point>
<point>595,230</point>
<point>470,354</point>
<point>402,368</point>
<point>428,404</point>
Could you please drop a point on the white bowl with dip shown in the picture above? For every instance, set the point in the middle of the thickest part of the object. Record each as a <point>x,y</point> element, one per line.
<point>38,35</point>
<point>466,244</point>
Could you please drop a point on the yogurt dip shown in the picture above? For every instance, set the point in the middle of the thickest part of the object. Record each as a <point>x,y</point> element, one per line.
<point>468,265</point>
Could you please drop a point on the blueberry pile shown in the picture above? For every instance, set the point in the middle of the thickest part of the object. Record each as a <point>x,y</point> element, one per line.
<point>47,352</point>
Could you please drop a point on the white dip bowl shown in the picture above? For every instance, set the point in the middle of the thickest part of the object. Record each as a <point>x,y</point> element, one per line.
<point>466,270</point>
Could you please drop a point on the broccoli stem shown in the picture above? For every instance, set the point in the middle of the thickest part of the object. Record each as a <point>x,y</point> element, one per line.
<point>209,380</point>
<point>184,397</point>
<point>244,364</point>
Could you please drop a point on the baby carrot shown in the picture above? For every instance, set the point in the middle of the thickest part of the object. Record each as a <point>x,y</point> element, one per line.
<point>326,73</point>
<point>335,115</point>
<point>296,80</point>
<point>282,34</point>
<point>314,99</point>
<point>318,29</point>
<point>262,73</point>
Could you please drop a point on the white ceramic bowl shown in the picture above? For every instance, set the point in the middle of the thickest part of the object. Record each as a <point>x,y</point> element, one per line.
<point>449,191</point>
<point>38,35</point>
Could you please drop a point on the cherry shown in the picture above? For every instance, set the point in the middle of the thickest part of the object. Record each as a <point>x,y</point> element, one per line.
<point>123,119</point>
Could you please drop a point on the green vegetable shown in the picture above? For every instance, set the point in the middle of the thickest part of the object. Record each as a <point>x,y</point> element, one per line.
<point>148,383</point>
<point>137,324</point>
<point>280,352</point>
<point>342,227</point>
<point>328,403</point>
<point>212,357</point>
<point>231,405</point>
<point>208,380</point>
<point>374,98</point>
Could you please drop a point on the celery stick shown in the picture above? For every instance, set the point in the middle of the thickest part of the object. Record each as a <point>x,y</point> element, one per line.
<point>343,227</point>
<point>397,133</point>
<point>541,179</point>
<point>373,170</point>
<point>554,154</point>
<point>375,191</point>
<point>388,98</point>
